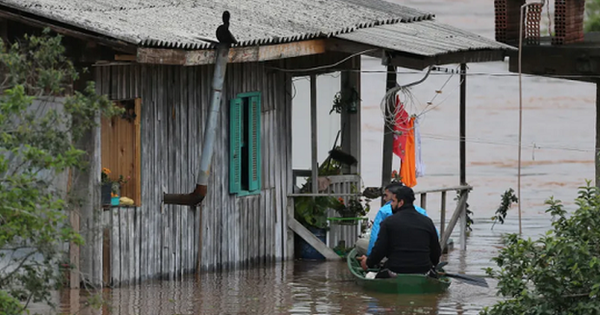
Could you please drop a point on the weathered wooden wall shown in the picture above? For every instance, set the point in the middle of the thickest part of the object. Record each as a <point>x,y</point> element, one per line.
<point>236,232</point>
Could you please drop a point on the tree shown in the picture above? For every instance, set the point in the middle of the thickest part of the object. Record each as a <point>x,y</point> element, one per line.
<point>37,147</point>
<point>559,273</point>
<point>592,15</point>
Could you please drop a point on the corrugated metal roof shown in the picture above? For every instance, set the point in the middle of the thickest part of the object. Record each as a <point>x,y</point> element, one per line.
<point>184,23</point>
<point>425,38</point>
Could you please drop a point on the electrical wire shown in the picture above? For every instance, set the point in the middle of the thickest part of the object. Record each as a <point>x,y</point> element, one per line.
<point>440,90</point>
<point>489,74</point>
<point>388,101</point>
<point>501,143</point>
<point>324,66</point>
<point>520,61</point>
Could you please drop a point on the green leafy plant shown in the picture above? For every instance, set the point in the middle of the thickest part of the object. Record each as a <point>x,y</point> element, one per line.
<point>330,167</point>
<point>38,145</point>
<point>349,101</point>
<point>592,16</point>
<point>467,210</point>
<point>396,178</point>
<point>560,272</point>
<point>469,217</point>
<point>312,212</point>
<point>354,208</point>
<point>507,199</point>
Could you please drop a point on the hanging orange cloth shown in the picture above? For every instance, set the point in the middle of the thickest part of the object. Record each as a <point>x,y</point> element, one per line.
<point>408,162</point>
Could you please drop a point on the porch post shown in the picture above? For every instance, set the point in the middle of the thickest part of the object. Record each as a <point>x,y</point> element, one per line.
<point>313,133</point>
<point>597,155</point>
<point>462,137</point>
<point>463,120</point>
<point>351,120</point>
<point>388,136</point>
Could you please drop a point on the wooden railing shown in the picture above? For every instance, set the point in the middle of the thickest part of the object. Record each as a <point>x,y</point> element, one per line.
<point>445,229</point>
<point>340,186</point>
<point>459,213</point>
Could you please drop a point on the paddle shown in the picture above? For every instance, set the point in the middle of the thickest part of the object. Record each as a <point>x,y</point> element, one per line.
<point>441,265</point>
<point>466,279</point>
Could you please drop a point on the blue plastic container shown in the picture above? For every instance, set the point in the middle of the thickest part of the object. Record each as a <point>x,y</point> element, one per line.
<point>114,201</point>
<point>308,252</point>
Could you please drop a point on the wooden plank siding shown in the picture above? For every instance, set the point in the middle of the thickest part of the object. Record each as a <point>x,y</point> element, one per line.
<point>161,241</point>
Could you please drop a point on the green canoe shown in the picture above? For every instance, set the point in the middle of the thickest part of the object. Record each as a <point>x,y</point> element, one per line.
<point>401,284</point>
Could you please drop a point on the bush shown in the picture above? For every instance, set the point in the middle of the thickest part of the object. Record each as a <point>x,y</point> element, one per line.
<point>559,273</point>
<point>37,146</point>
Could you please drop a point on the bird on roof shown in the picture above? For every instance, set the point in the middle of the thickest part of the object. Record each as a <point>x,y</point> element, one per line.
<point>223,34</point>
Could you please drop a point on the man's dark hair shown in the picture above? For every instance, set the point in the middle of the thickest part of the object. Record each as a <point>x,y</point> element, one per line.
<point>402,193</point>
<point>394,184</point>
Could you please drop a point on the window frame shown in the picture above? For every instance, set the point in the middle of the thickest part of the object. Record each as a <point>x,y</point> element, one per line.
<point>236,143</point>
<point>136,181</point>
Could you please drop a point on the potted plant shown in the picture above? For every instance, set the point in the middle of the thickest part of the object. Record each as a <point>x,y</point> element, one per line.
<point>354,209</point>
<point>111,189</point>
<point>396,178</point>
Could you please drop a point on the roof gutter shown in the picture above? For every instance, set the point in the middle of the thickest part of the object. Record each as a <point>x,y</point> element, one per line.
<point>197,196</point>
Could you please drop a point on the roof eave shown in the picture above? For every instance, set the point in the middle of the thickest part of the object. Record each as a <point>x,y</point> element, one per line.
<point>417,62</point>
<point>64,29</point>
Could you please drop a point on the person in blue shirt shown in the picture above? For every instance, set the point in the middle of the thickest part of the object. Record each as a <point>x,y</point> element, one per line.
<point>383,213</point>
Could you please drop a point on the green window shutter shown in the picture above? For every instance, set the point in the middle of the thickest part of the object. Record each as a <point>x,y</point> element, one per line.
<point>254,161</point>
<point>235,148</point>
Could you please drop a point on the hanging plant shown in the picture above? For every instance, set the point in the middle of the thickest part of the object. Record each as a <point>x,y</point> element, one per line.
<point>349,102</point>
<point>354,208</point>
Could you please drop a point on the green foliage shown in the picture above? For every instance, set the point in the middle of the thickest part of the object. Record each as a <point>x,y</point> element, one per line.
<point>469,217</point>
<point>349,101</point>
<point>354,208</point>
<point>467,210</point>
<point>559,273</point>
<point>9,305</point>
<point>312,212</point>
<point>592,15</point>
<point>507,199</point>
<point>330,167</point>
<point>37,148</point>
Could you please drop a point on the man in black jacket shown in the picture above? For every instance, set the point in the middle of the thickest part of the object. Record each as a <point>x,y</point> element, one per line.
<point>408,239</point>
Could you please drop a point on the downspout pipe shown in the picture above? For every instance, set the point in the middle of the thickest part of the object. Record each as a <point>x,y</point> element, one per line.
<point>197,196</point>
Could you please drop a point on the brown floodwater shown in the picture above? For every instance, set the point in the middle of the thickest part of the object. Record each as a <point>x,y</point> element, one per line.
<point>558,144</point>
<point>304,287</point>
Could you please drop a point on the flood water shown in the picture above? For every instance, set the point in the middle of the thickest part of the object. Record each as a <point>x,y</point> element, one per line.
<point>558,144</point>
<point>311,287</point>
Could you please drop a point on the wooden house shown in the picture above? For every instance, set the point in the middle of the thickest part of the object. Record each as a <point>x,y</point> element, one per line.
<point>155,58</point>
